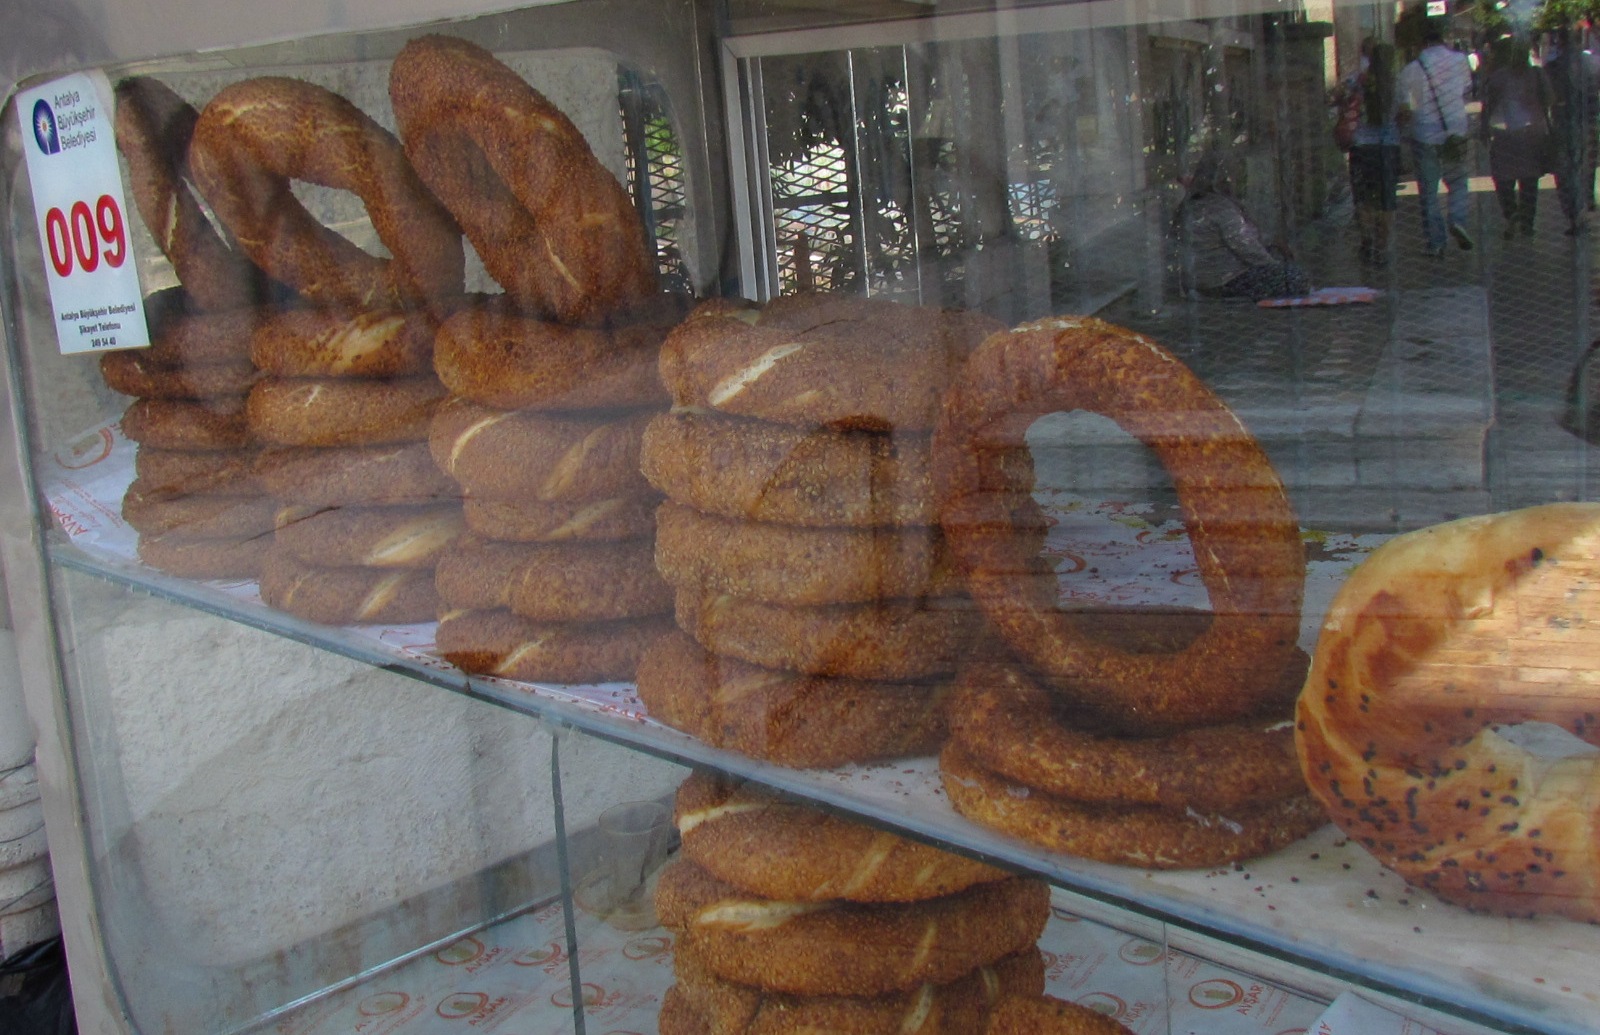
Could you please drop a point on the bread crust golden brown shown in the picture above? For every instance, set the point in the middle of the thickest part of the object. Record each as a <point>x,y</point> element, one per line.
<point>786,718</point>
<point>828,949</point>
<point>897,640</point>
<point>1010,726</point>
<point>343,411</point>
<point>187,557</point>
<point>525,455</point>
<point>510,361</point>
<point>338,343</point>
<point>796,565</point>
<point>534,521</point>
<point>1046,1015</point>
<point>780,848</point>
<point>1145,836</point>
<point>346,476</point>
<point>553,582</point>
<point>185,424</point>
<point>499,643</point>
<point>195,516</point>
<point>552,225</point>
<point>1245,536</point>
<point>837,360</point>
<point>1449,723</point>
<point>957,1008</point>
<point>153,129</point>
<point>763,471</point>
<point>368,537</point>
<point>134,372</point>
<point>349,595</point>
<point>257,134</point>
<point>177,472</point>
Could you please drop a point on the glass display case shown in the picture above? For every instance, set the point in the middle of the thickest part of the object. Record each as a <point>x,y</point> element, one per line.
<point>645,516</point>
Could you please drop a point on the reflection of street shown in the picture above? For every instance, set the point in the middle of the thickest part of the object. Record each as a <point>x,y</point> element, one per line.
<point>1537,300</point>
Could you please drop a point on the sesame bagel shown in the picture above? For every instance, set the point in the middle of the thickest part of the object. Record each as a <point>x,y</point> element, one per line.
<point>782,848</point>
<point>1023,1014</point>
<point>134,372</point>
<point>256,135</point>
<point>958,1008</point>
<point>1145,836</point>
<point>185,424</point>
<point>786,718</point>
<point>900,639</point>
<point>225,557</point>
<point>519,454</point>
<point>178,472</point>
<point>499,643</point>
<point>764,471</point>
<point>510,361</point>
<point>846,948</point>
<point>796,565</point>
<point>202,517</point>
<point>335,477</point>
<point>551,223</point>
<point>349,595</point>
<point>369,537</point>
<point>1011,725</point>
<point>533,521</point>
<point>336,343</point>
<point>1243,530</point>
<point>553,582</point>
<point>153,129</point>
<point>837,360</point>
<point>343,411</point>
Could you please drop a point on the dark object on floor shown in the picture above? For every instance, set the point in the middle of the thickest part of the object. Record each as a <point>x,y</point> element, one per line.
<point>35,993</point>
<point>1581,416</point>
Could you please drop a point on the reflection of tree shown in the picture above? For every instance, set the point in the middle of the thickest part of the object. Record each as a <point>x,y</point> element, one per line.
<point>846,110</point>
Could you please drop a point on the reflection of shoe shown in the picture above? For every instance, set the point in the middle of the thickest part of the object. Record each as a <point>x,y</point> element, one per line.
<point>1463,238</point>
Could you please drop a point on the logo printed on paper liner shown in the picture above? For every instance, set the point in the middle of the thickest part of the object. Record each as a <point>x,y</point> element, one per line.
<point>86,451</point>
<point>650,948</point>
<point>1216,994</point>
<point>1105,1003</point>
<point>593,995</point>
<point>549,953</point>
<point>459,1005</point>
<point>381,1003</point>
<point>1140,952</point>
<point>460,952</point>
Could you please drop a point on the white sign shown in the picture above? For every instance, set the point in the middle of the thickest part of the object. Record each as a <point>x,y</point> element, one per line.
<point>82,218</point>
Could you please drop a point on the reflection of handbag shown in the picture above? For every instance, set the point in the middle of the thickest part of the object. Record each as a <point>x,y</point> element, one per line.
<point>1455,148</point>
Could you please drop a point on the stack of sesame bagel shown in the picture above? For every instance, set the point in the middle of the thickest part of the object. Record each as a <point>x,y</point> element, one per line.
<point>194,503</point>
<point>1159,739</point>
<point>789,919</point>
<point>547,386</point>
<point>345,386</point>
<point>819,616</point>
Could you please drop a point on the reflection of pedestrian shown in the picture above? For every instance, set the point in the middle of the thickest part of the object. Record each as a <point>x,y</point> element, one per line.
<point>1226,257</point>
<point>1433,99</point>
<point>1574,111</point>
<point>1516,120</point>
<point>1375,152</point>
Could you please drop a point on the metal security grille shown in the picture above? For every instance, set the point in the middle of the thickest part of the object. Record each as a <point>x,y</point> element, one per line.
<point>655,172</point>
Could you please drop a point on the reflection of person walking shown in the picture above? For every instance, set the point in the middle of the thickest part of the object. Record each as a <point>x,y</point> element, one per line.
<point>1574,77</point>
<point>1516,120</point>
<point>1433,92</point>
<point>1375,153</point>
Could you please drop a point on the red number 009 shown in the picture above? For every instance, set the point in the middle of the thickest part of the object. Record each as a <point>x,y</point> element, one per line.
<point>82,238</point>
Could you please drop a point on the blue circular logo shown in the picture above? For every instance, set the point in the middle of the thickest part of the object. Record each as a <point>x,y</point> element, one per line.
<point>44,128</point>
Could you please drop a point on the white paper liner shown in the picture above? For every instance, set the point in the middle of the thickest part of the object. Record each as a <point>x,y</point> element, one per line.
<point>513,979</point>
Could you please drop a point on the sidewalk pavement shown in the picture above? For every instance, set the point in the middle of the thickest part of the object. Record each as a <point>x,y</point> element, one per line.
<point>1441,398</point>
